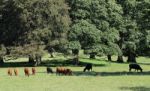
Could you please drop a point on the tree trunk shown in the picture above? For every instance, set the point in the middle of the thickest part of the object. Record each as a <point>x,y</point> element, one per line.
<point>75,52</point>
<point>31,59</point>
<point>109,57</point>
<point>120,43</point>
<point>1,60</point>
<point>38,60</point>
<point>131,57</point>
<point>51,54</point>
<point>92,56</point>
<point>51,51</point>
<point>75,61</point>
<point>120,59</point>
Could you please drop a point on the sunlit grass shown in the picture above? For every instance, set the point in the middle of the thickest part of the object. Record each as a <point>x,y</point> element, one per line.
<point>106,76</point>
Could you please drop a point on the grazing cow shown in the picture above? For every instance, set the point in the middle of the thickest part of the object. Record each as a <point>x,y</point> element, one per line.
<point>26,71</point>
<point>9,72</point>
<point>68,72</point>
<point>16,72</point>
<point>33,71</point>
<point>135,66</point>
<point>49,70</point>
<point>64,71</point>
<point>88,67</point>
<point>59,70</point>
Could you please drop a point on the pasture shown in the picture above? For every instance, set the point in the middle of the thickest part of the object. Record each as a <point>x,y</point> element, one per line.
<point>106,76</point>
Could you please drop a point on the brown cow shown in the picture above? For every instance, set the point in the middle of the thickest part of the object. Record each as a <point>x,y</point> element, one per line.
<point>9,72</point>
<point>64,71</point>
<point>33,71</point>
<point>16,72</point>
<point>60,70</point>
<point>26,71</point>
<point>68,72</point>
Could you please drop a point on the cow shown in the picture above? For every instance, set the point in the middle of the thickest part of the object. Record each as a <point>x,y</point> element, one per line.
<point>49,70</point>
<point>26,71</point>
<point>9,72</point>
<point>68,72</point>
<point>16,72</point>
<point>63,71</point>
<point>33,71</point>
<point>135,66</point>
<point>59,70</point>
<point>88,67</point>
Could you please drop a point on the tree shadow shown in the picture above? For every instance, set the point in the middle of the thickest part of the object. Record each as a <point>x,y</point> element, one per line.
<point>140,88</point>
<point>49,63</point>
<point>16,64</point>
<point>101,59</point>
<point>60,62</point>
<point>93,73</point>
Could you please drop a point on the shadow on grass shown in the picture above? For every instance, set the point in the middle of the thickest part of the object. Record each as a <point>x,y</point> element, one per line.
<point>49,63</point>
<point>81,73</point>
<point>140,88</point>
<point>56,63</point>
<point>101,59</point>
<point>16,64</point>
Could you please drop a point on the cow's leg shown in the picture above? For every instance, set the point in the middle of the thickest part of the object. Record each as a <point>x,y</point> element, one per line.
<point>84,69</point>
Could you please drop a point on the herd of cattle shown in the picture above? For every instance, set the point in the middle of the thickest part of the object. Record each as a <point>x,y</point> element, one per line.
<point>16,72</point>
<point>62,70</point>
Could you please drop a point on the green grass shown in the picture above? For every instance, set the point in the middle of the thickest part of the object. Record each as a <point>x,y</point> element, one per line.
<point>106,76</point>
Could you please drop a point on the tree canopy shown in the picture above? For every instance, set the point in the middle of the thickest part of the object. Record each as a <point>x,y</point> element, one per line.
<point>99,27</point>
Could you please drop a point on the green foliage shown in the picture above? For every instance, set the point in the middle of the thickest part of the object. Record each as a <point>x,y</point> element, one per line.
<point>73,45</point>
<point>136,13</point>
<point>97,26</point>
<point>85,32</point>
<point>28,49</point>
<point>96,49</point>
<point>24,17</point>
<point>25,22</point>
<point>105,20</point>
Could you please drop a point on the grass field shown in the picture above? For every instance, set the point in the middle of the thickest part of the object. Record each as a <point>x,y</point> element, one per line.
<point>106,76</point>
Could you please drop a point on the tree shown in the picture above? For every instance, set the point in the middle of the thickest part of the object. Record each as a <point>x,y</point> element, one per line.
<point>131,40</point>
<point>130,49</point>
<point>86,33</point>
<point>136,25</point>
<point>142,19</point>
<point>34,22</point>
<point>104,15</point>
<point>107,16</point>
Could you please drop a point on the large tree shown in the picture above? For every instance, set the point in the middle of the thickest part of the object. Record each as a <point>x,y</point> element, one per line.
<point>105,16</point>
<point>143,22</point>
<point>134,35</point>
<point>86,34</point>
<point>34,22</point>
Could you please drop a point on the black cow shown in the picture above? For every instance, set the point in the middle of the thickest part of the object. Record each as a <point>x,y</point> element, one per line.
<point>135,66</point>
<point>88,67</point>
<point>49,70</point>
